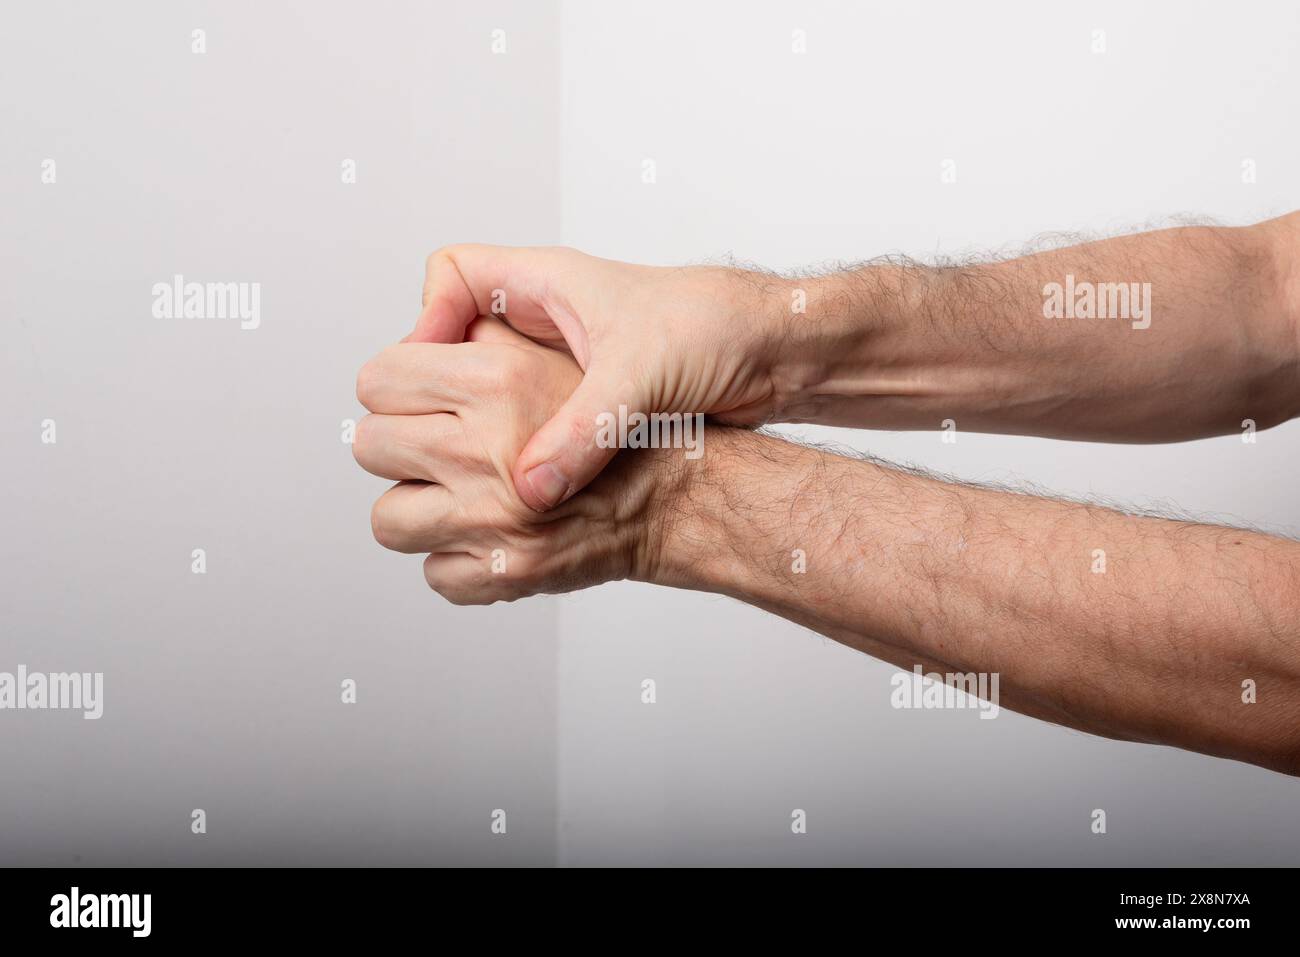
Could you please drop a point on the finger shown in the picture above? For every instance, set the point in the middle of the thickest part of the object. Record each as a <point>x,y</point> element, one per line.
<point>492,329</point>
<point>464,282</point>
<point>564,455</point>
<point>411,517</point>
<point>448,304</point>
<point>421,378</point>
<point>406,447</point>
<point>461,578</point>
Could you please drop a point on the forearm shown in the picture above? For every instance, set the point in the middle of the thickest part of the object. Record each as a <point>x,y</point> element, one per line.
<point>1192,330</point>
<point>1150,641</point>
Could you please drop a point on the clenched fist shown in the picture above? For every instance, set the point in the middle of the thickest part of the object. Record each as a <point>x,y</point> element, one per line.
<point>448,423</point>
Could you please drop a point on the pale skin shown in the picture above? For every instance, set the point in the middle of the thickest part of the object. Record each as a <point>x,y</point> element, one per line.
<point>1156,648</point>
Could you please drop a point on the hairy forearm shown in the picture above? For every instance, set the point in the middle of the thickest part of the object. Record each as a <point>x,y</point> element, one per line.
<point>1159,336</point>
<point>1131,627</point>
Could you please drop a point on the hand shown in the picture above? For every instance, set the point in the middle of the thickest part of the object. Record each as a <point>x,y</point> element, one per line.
<point>448,423</point>
<point>691,340</point>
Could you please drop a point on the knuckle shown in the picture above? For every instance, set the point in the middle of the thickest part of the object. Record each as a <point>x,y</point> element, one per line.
<point>476,586</point>
<point>361,439</point>
<point>452,589</point>
<point>486,371</point>
<point>384,379</point>
<point>446,253</point>
<point>514,372</point>
<point>450,594</point>
<point>525,577</point>
<point>460,595</point>
<point>380,374</point>
<point>367,383</point>
<point>383,528</point>
<point>579,431</point>
<point>530,363</point>
<point>434,575</point>
<point>566,253</point>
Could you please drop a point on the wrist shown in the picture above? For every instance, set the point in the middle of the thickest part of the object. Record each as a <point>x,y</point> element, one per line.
<point>829,347</point>
<point>680,528</point>
<point>719,523</point>
<point>666,532</point>
<point>790,334</point>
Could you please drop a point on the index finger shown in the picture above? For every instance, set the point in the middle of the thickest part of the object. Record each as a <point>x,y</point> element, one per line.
<point>448,304</point>
<point>466,281</point>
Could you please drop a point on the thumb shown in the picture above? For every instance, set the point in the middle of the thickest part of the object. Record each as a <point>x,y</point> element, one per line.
<point>571,449</point>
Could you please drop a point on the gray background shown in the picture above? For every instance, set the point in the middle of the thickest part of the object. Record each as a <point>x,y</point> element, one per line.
<point>223,690</point>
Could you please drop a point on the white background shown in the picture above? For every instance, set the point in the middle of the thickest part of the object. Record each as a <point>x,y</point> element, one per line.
<point>794,160</point>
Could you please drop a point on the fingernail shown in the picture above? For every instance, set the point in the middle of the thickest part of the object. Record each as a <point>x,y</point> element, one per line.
<point>547,484</point>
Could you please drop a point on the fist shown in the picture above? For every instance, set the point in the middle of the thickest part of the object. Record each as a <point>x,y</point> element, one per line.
<point>447,423</point>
